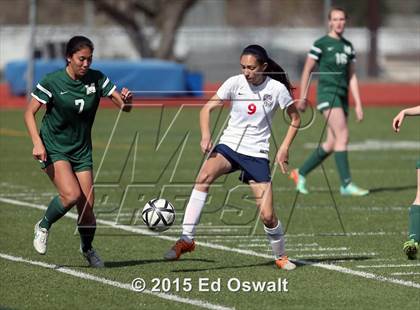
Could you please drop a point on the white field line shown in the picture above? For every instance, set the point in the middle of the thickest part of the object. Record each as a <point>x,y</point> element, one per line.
<point>405,273</point>
<point>313,244</point>
<point>215,227</point>
<point>263,237</point>
<point>301,235</point>
<point>128,215</point>
<point>377,145</point>
<point>351,234</point>
<point>320,249</point>
<point>389,266</point>
<point>254,245</point>
<point>227,239</point>
<point>235,250</point>
<point>254,240</point>
<point>30,195</point>
<point>264,244</point>
<point>337,255</point>
<point>126,286</point>
<point>338,260</point>
<point>145,231</point>
<point>347,234</point>
<point>370,275</point>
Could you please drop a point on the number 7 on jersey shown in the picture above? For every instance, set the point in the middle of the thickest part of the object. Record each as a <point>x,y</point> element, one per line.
<point>80,102</point>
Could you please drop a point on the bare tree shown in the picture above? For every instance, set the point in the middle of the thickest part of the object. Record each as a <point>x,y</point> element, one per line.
<point>150,24</point>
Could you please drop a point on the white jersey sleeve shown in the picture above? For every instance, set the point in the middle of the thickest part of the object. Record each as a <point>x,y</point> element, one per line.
<point>284,99</point>
<point>228,88</point>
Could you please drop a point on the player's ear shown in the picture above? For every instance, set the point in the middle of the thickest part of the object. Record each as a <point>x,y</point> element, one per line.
<point>69,58</point>
<point>264,66</point>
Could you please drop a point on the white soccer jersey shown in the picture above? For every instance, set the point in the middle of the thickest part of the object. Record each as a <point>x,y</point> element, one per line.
<point>248,131</point>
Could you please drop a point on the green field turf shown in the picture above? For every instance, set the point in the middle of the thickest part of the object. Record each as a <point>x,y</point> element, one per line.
<point>349,250</point>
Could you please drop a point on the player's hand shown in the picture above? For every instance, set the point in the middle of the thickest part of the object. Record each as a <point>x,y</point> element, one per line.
<point>206,145</point>
<point>126,95</point>
<point>397,121</point>
<point>127,98</point>
<point>301,105</point>
<point>39,152</point>
<point>283,160</point>
<point>359,113</point>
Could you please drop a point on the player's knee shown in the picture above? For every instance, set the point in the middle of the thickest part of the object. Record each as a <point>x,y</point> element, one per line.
<point>341,143</point>
<point>342,137</point>
<point>71,197</point>
<point>269,219</point>
<point>205,177</point>
<point>328,147</point>
<point>87,218</point>
<point>345,140</point>
<point>85,202</point>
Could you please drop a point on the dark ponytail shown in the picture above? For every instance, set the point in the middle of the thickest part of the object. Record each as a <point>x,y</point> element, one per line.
<point>277,73</point>
<point>273,69</point>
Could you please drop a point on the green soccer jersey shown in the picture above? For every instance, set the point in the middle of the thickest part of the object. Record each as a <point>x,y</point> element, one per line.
<point>71,109</point>
<point>333,57</point>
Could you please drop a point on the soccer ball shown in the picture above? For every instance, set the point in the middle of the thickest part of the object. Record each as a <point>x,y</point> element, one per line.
<point>158,214</point>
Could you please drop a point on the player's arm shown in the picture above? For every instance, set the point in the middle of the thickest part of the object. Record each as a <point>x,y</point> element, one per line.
<point>304,82</point>
<point>354,88</point>
<point>122,100</point>
<point>38,151</point>
<point>283,152</point>
<point>206,143</point>
<point>397,121</point>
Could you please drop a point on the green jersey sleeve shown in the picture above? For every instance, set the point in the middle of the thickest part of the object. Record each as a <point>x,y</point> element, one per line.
<point>106,86</point>
<point>43,91</point>
<point>316,51</point>
<point>352,56</point>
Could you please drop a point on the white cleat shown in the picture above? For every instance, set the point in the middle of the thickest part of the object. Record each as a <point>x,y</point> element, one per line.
<point>93,258</point>
<point>40,239</point>
<point>284,263</point>
<point>353,190</point>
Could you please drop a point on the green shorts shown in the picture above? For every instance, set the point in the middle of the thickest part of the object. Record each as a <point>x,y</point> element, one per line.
<point>77,164</point>
<point>418,164</point>
<point>329,100</point>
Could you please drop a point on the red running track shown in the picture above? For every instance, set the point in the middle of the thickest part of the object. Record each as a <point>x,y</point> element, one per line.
<point>372,93</point>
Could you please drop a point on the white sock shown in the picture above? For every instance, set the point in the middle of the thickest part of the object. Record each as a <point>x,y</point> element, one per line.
<point>276,237</point>
<point>192,214</point>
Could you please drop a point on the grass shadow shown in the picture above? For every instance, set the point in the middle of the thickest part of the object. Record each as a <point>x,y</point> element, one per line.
<point>308,262</point>
<point>118,264</point>
<point>392,189</point>
<point>139,262</point>
<point>224,267</point>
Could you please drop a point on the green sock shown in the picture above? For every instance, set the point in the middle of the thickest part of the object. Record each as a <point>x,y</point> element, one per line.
<point>414,223</point>
<point>342,162</point>
<point>317,157</point>
<point>54,212</point>
<point>87,233</point>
